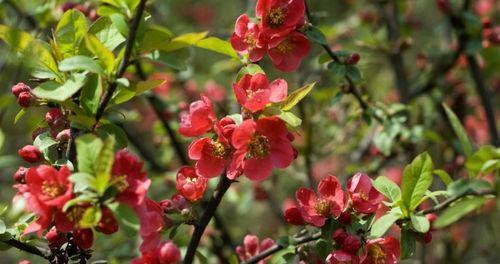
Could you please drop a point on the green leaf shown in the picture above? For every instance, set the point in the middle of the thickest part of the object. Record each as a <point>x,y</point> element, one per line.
<point>104,164</point>
<point>407,243</point>
<point>202,259</point>
<point>420,223</point>
<point>154,38</point>
<point>82,181</point>
<point>353,73</point>
<point>338,69</point>
<point>88,148</point>
<point>106,33</point>
<point>44,141</point>
<point>323,247</point>
<point>459,131</point>
<point>295,97</point>
<point>388,188</point>
<point>19,115</point>
<point>290,118</point>
<point>381,225</point>
<point>79,62</point>
<point>417,178</point>
<point>105,56</point>
<point>125,215</point>
<point>486,155</point>
<point>237,118</point>
<point>251,69</point>
<point>116,131</point>
<point>91,94</point>
<point>175,59</point>
<point>70,31</point>
<point>316,35</point>
<point>458,210</point>
<point>444,176</point>
<point>184,41</point>
<point>217,45</point>
<point>147,85</point>
<point>56,92</point>
<point>90,218</point>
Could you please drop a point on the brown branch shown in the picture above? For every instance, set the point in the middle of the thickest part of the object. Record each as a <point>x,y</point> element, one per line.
<point>450,201</point>
<point>124,62</point>
<point>39,251</point>
<point>201,224</point>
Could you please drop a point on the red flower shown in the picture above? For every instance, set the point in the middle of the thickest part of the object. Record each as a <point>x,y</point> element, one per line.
<point>214,91</point>
<point>252,247</point>
<point>151,222</point>
<point>254,92</point>
<point>55,238</point>
<point>108,223</point>
<point>200,119</point>
<point>341,257</point>
<point>84,238</point>
<point>30,154</point>
<point>262,145</point>
<point>279,17</point>
<point>211,156</point>
<point>330,201</point>
<point>246,39</point>
<point>288,51</point>
<point>381,251</point>
<point>293,216</point>
<point>190,184</point>
<point>50,186</point>
<point>166,253</point>
<point>130,181</point>
<point>365,198</point>
<point>351,244</point>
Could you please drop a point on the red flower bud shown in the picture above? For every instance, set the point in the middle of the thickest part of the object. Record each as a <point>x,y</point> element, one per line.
<point>84,238</point>
<point>427,237</point>
<point>294,217</point>
<point>169,253</point>
<point>54,117</point>
<point>63,136</point>
<point>345,218</point>
<point>30,154</point>
<point>339,236</point>
<point>353,59</point>
<point>108,224</point>
<point>20,175</point>
<point>55,238</point>
<point>351,244</point>
<point>19,88</point>
<point>26,99</point>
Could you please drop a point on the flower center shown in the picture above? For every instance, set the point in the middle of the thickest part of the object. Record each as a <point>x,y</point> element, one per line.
<point>377,254</point>
<point>276,17</point>
<point>75,214</point>
<point>259,146</point>
<point>121,183</point>
<point>250,40</point>
<point>363,195</point>
<point>323,208</point>
<point>52,189</point>
<point>219,150</point>
<point>285,47</point>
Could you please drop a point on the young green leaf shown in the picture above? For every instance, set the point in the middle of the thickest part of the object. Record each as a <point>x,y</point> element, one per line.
<point>316,35</point>
<point>388,188</point>
<point>458,210</point>
<point>91,94</point>
<point>88,147</point>
<point>295,97</point>
<point>420,223</point>
<point>90,217</point>
<point>70,31</point>
<point>444,176</point>
<point>105,56</point>
<point>459,131</point>
<point>184,41</point>
<point>249,69</point>
<point>218,45</point>
<point>56,92</point>
<point>486,155</point>
<point>381,225</point>
<point>79,62</point>
<point>104,164</point>
<point>44,141</point>
<point>417,178</point>
<point>143,86</point>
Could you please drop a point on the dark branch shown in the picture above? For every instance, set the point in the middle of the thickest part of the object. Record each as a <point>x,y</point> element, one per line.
<point>448,202</point>
<point>124,62</point>
<point>39,251</point>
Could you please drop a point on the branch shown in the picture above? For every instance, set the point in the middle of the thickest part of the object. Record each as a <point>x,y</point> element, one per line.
<point>449,201</point>
<point>201,225</point>
<point>39,251</point>
<point>124,62</point>
<point>352,87</point>
<point>270,251</point>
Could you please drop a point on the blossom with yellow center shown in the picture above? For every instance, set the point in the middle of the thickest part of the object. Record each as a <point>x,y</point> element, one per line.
<point>219,150</point>
<point>52,190</point>
<point>259,146</point>
<point>377,254</point>
<point>323,208</point>
<point>276,17</point>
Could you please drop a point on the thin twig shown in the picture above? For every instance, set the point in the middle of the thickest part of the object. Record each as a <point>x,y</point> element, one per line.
<point>39,251</point>
<point>201,224</point>
<point>124,62</point>
<point>450,201</point>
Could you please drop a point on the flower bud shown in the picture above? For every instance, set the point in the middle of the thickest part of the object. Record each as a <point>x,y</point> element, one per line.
<point>353,59</point>
<point>108,224</point>
<point>55,238</point>
<point>30,154</point>
<point>168,253</point>
<point>26,99</point>
<point>20,174</point>
<point>345,218</point>
<point>351,244</point>
<point>339,236</point>
<point>83,238</point>
<point>294,217</point>
<point>55,118</point>
<point>64,135</point>
<point>19,88</point>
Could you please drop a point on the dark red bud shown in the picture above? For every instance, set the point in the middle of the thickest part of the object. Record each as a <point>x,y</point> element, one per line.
<point>55,238</point>
<point>351,244</point>
<point>84,238</point>
<point>37,132</point>
<point>30,154</point>
<point>26,99</point>
<point>108,224</point>
<point>64,135</point>
<point>353,59</point>
<point>19,88</point>
<point>345,218</point>
<point>339,236</point>
<point>20,174</point>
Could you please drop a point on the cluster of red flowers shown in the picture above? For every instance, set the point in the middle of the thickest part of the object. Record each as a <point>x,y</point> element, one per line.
<point>275,31</point>
<point>252,246</point>
<point>251,146</point>
<point>360,199</point>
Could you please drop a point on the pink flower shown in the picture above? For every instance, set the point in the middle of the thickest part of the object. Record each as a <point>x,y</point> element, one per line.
<point>151,222</point>
<point>200,119</point>
<point>211,156</point>
<point>246,39</point>
<point>330,201</point>
<point>252,247</point>
<point>262,145</point>
<point>131,182</point>
<point>254,92</point>
<point>214,91</point>
<point>279,17</point>
<point>365,198</point>
<point>381,251</point>
<point>191,185</point>
<point>166,253</point>
<point>288,51</point>
<point>341,257</point>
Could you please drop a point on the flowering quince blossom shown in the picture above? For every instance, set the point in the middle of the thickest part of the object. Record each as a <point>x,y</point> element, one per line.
<point>247,39</point>
<point>254,92</point>
<point>364,197</point>
<point>252,246</point>
<point>190,184</point>
<point>200,119</point>
<point>279,17</point>
<point>164,253</point>
<point>151,222</point>
<point>381,251</point>
<point>341,257</point>
<point>262,145</point>
<point>211,155</point>
<point>330,201</point>
<point>288,51</point>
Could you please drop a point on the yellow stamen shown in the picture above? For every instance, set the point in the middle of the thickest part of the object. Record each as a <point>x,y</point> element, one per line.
<point>259,146</point>
<point>52,189</point>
